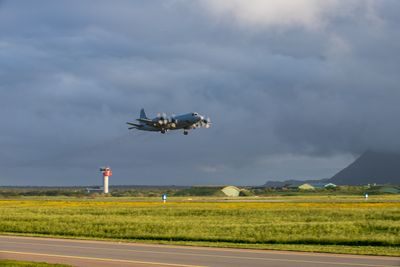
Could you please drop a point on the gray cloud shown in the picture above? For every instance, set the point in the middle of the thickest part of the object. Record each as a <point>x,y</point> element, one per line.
<point>289,98</point>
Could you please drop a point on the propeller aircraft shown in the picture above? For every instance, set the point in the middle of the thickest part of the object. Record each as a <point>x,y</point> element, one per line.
<point>163,123</point>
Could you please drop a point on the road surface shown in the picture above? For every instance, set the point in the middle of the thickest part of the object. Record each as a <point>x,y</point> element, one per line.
<point>102,253</point>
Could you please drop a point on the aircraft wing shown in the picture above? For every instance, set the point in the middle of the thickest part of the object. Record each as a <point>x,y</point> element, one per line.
<point>154,123</point>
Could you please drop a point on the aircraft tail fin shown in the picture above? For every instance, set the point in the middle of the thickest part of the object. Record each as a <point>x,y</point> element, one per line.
<point>143,114</point>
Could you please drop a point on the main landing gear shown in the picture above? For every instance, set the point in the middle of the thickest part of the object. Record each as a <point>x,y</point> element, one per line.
<point>185,132</point>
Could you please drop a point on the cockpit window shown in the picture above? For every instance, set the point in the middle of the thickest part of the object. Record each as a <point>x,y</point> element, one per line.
<point>194,114</point>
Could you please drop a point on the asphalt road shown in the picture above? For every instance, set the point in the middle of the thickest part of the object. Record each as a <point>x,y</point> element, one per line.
<point>101,253</point>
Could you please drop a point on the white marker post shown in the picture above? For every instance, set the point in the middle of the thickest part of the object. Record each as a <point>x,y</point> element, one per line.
<point>366,196</point>
<point>164,198</point>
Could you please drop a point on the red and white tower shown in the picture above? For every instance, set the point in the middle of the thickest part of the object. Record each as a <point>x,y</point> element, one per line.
<point>107,172</point>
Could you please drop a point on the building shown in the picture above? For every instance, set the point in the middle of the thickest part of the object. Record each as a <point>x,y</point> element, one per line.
<point>306,187</point>
<point>231,191</point>
<point>389,190</point>
<point>330,186</point>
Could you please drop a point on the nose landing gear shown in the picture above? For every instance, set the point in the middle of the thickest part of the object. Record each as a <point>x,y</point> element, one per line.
<point>185,132</point>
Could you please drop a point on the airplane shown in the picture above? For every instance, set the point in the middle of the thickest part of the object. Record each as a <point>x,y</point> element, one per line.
<point>163,124</point>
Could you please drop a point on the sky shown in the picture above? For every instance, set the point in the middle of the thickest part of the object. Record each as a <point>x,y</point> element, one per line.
<point>295,89</point>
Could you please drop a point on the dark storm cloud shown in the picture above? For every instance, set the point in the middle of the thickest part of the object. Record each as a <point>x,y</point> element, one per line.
<point>289,98</point>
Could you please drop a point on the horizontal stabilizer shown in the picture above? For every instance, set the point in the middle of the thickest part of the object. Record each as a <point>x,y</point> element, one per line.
<point>134,124</point>
<point>145,120</point>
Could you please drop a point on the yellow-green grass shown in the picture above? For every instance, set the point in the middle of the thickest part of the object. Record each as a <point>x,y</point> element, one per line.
<point>352,226</point>
<point>270,198</point>
<point>12,263</point>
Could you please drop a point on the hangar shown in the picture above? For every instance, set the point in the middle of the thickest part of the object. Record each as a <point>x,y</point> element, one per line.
<point>231,191</point>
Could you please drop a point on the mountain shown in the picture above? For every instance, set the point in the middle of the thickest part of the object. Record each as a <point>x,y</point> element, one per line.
<point>371,167</point>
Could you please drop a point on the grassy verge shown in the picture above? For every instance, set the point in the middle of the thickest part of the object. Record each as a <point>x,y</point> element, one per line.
<point>12,263</point>
<point>194,199</point>
<point>322,226</point>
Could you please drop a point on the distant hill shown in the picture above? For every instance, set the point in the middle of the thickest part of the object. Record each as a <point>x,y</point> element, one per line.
<point>293,182</point>
<point>371,167</point>
<point>283,183</point>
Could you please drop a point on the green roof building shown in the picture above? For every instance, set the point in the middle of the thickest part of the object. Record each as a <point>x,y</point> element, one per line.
<point>330,185</point>
<point>389,190</point>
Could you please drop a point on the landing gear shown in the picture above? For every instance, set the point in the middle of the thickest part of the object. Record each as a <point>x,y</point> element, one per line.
<point>163,131</point>
<point>185,132</point>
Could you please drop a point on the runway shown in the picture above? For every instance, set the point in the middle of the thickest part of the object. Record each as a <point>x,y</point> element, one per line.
<point>102,253</point>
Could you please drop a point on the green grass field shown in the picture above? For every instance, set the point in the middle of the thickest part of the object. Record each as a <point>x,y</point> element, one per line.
<point>342,224</point>
<point>11,263</point>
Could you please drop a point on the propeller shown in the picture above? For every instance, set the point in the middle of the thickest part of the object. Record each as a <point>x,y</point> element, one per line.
<point>205,122</point>
<point>162,118</point>
<point>173,121</point>
<point>208,125</point>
